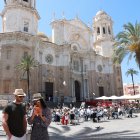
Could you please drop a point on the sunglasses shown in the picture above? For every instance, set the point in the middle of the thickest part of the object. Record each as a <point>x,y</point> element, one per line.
<point>20,96</point>
<point>36,102</point>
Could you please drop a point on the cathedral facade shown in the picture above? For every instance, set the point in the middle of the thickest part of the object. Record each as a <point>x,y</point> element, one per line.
<point>75,63</point>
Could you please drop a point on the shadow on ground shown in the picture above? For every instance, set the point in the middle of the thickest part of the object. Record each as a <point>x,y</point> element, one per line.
<point>91,134</point>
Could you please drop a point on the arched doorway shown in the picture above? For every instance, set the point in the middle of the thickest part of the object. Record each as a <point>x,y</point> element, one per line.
<point>49,91</point>
<point>101,91</point>
<point>77,90</point>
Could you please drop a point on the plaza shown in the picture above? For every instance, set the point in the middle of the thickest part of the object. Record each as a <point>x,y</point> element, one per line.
<point>114,129</point>
<point>74,65</point>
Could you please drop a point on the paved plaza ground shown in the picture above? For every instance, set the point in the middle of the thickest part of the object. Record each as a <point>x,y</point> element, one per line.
<point>118,129</point>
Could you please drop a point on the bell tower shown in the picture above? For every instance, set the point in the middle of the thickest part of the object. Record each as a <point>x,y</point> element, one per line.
<point>20,16</point>
<point>103,34</point>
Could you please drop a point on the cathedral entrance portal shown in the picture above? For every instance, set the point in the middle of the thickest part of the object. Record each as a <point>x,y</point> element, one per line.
<point>77,90</point>
<point>101,91</point>
<point>49,91</point>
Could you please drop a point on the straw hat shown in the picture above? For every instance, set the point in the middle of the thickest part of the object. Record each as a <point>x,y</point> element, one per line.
<point>37,96</point>
<point>19,92</point>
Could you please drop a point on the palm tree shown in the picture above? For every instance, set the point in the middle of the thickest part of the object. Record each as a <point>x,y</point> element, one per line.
<point>132,72</point>
<point>128,43</point>
<point>27,64</point>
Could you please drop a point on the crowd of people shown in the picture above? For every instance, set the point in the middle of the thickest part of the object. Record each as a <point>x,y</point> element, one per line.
<point>73,115</point>
<point>17,114</point>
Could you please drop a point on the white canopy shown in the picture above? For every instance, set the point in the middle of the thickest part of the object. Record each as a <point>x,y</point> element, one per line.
<point>125,97</point>
<point>113,97</point>
<point>102,98</point>
<point>130,97</point>
<point>107,98</point>
<point>137,96</point>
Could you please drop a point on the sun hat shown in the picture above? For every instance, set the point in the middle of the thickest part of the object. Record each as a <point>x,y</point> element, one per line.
<point>37,96</point>
<point>19,92</point>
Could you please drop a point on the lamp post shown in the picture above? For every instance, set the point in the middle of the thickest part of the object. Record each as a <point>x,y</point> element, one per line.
<point>93,94</point>
<point>64,83</point>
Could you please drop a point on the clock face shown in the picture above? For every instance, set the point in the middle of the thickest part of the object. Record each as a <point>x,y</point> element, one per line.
<point>49,58</point>
<point>99,68</point>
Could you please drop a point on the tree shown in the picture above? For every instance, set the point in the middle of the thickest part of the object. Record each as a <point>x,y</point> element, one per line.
<point>27,64</point>
<point>132,72</point>
<point>128,43</point>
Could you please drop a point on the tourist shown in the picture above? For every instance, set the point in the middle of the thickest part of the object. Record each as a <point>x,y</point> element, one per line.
<point>40,118</point>
<point>14,117</point>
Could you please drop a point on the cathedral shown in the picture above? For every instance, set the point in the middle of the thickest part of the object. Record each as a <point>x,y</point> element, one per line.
<point>75,63</point>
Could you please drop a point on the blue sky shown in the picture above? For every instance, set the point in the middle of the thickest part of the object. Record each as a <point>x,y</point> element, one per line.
<point>121,11</point>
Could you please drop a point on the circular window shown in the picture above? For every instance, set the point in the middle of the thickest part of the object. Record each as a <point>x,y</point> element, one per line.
<point>49,58</point>
<point>100,68</point>
<point>74,47</point>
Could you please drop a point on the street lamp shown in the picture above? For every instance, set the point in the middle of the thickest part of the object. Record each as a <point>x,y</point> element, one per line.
<point>64,83</point>
<point>93,95</point>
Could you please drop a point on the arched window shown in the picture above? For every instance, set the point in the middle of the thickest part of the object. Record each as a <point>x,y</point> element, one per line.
<point>103,30</point>
<point>109,30</point>
<point>98,30</point>
<point>26,26</point>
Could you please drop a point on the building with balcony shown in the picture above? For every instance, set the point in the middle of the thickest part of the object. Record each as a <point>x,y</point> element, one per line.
<point>129,90</point>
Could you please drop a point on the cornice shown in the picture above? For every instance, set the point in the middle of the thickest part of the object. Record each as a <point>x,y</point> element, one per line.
<point>17,38</point>
<point>13,35</point>
<point>20,6</point>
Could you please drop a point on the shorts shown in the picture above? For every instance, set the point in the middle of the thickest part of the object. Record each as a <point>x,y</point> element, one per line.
<point>17,138</point>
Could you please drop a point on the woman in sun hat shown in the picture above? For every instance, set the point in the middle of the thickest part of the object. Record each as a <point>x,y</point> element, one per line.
<point>40,118</point>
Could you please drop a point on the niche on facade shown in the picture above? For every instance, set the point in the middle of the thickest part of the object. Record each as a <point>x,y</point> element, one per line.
<point>49,58</point>
<point>100,68</point>
<point>100,81</point>
<point>61,82</point>
<point>75,47</point>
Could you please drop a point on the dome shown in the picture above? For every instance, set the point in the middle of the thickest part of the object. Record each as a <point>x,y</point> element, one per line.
<point>100,15</point>
<point>101,12</point>
<point>42,36</point>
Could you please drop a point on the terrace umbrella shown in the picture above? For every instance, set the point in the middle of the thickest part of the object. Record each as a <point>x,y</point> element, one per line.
<point>102,98</point>
<point>127,97</point>
<point>137,96</point>
<point>104,102</point>
<point>113,97</point>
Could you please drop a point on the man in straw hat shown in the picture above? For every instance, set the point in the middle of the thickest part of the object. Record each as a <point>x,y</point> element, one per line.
<point>14,117</point>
